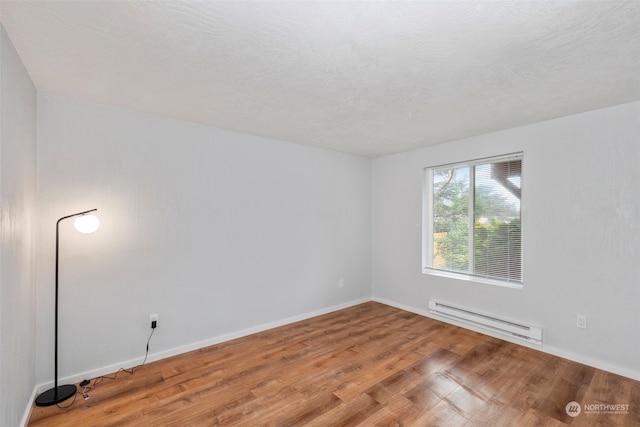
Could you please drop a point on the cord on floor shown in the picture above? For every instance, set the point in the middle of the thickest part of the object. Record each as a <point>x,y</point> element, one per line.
<point>87,388</point>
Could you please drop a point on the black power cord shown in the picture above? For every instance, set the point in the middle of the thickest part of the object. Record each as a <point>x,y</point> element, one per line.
<point>70,404</point>
<point>86,384</point>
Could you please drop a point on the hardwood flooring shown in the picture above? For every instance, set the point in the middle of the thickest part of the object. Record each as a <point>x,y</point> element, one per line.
<point>368,365</point>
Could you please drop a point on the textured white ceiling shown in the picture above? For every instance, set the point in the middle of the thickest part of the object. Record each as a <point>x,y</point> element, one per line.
<point>369,78</point>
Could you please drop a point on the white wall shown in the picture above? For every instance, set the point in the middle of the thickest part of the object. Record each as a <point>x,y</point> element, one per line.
<point>17,212</point>
<point>217,232</point>
<point>221,233</point>
<point>581,231</point>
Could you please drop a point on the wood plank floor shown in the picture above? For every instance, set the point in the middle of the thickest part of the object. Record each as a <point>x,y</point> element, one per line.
<point>368,365</point>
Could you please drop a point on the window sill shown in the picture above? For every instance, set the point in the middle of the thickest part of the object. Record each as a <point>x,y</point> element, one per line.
<point>470,278</point>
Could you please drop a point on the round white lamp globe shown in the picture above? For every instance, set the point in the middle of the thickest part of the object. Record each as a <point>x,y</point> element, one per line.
<point>86,224</point>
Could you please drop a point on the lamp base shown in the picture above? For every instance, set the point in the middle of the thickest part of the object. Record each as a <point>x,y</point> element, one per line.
<point>50,397</point>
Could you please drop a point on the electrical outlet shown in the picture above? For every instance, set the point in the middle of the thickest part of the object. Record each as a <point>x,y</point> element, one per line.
<point>341,283</point>
<point>581,321</point>
<point>153,320</point>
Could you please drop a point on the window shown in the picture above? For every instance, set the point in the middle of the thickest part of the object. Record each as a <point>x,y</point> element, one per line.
<point>473,220</point>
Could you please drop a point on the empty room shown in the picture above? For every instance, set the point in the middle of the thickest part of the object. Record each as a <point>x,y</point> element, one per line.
<point>319,213</point>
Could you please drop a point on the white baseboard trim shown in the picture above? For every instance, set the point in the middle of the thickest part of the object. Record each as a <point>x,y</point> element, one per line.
<point>127,364</point>
<point>260,328</point>
<point>585,360</point>
<point>27,411</point>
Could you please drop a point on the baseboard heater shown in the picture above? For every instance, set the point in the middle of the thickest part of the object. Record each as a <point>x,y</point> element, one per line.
<point>510,328</point>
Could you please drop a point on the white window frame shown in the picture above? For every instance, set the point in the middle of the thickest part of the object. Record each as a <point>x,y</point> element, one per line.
<point>428,227</point>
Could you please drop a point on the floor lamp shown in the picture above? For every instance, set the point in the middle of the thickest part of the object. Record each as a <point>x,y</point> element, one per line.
<point>84,223</point>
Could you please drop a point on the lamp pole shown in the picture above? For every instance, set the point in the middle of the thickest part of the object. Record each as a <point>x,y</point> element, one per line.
<point>63,392</point>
